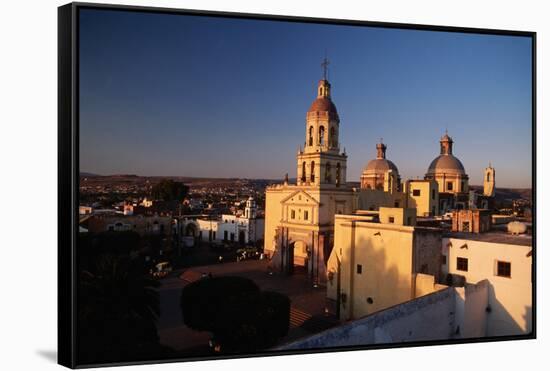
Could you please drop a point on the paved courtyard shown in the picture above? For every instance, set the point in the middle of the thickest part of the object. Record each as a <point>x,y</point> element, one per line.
<point>307,303</point>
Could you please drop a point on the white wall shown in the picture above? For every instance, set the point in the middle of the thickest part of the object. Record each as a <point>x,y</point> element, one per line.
<point>509,298</point>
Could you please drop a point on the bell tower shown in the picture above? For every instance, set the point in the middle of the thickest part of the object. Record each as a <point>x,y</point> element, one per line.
<point>299,218</point>
<point>320,162</point>
<point>489,182</point>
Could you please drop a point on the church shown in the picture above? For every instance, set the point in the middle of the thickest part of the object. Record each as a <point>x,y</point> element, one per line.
<point>299,223</point>
<point>300,218</point>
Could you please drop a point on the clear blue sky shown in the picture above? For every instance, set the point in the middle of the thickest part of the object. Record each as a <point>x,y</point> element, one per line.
<point>201,96</point>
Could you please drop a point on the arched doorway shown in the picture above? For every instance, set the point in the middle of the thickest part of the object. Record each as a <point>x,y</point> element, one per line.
<point>297,257</point>
<point>241,238</point>
<point>191,230</point>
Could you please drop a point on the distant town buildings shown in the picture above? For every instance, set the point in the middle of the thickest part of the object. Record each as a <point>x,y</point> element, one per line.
<point>246,228</point>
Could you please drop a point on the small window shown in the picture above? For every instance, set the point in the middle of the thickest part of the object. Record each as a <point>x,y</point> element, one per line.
<point>504,269</point>
<point>465,226</point>
<point>433,194</point>
<point>449,186</point>
<point>391,219</point>
<point>443,259</point>
<point>462,264</point>
<point>306,215</point>
<point>359,269</point>
<point>396,204</point>
<point>292,214</point>
<point>416,192</point>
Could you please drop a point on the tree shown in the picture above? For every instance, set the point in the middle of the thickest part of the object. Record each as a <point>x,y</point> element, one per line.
<point>169,190</point>
<point>118,308</point>
<point>239,315</point>
<point>93,246</point>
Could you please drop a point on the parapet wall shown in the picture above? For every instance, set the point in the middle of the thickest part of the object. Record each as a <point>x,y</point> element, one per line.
<point>430,317</point>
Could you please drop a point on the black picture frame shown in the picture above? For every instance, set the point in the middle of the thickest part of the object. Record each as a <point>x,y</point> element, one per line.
<point>68,172</point>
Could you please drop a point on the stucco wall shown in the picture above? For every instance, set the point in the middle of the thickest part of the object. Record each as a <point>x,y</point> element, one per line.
<point>424,203</point>
<point>475,310</point>
<point>510,298</point>
<point>371,199</point>
<point>273,215</point>
<point>430,317</point>
<point>427,251</point>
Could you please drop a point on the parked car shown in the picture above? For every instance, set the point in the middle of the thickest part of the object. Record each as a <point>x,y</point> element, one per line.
<point>161,269</point>
<point>247,253</point>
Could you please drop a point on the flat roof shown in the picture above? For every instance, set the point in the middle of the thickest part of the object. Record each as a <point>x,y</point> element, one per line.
<point>494,237</point>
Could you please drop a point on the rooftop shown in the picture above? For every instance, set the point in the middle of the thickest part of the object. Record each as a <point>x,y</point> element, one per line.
<point>494,237</point>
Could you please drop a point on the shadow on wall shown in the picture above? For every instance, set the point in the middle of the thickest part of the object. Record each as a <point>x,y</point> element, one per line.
<point>501,322</point>
<point>380,276</point>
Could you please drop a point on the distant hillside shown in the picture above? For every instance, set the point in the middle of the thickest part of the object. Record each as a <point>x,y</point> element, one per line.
<point>88,175</point>
<point>503,194</point>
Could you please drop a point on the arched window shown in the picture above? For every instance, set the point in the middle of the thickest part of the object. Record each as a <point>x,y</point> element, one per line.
<point>332,138</point>
<point>327,172</point>
<point>322,135</point>
<point>303,171</point>
<point>312,173</point>
<point>488,177</point>
<point>338,173</point>
<point>311,135</point>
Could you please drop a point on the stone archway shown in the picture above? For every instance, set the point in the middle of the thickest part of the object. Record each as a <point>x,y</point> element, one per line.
<point>297,257</point>
<point>191,230</point>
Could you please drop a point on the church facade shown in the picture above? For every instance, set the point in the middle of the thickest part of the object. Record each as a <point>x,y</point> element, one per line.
<point>299,221</point>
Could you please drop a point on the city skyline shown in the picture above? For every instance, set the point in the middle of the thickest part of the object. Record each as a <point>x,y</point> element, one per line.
<point>207,97</point>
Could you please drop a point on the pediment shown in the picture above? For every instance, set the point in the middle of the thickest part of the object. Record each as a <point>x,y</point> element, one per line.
<point>300,198</point>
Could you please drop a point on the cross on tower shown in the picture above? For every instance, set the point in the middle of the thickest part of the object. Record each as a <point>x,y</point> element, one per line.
<point>325,67</point>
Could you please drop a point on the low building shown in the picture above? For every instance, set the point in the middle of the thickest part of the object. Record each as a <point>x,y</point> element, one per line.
<point>471,221</point>
<point>423,195</point>
<point>245,228</point>
<point>374,266</point>
<point>505,262</point>
<point>143,225</point>
<point>85,210</point>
